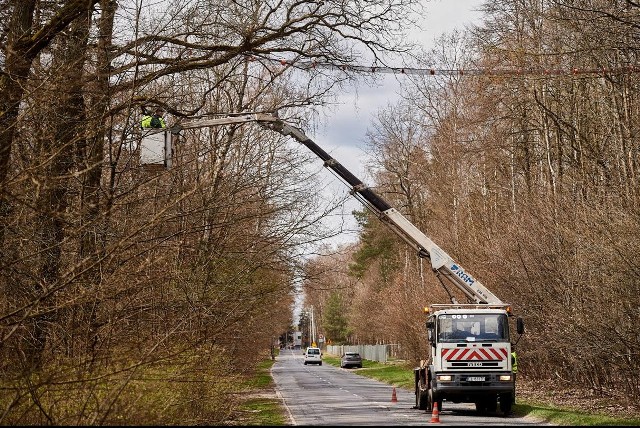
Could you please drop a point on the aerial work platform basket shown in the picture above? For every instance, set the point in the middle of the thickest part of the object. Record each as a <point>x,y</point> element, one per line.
<point>156,148</point>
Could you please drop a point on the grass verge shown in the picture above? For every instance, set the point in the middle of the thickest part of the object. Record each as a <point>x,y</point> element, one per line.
<point>260,408</point>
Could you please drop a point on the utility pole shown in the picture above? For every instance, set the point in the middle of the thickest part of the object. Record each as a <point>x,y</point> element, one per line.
<point>313,328</point>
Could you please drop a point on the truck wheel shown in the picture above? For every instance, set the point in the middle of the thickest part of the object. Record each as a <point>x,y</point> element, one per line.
<point>506,401</point>
<point>487,405</point>
<point>422,396</point>
<point>492,404</point>
<point>433,398</point>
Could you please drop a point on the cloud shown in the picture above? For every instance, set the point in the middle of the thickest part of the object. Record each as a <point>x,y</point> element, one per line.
<point>344,133</point>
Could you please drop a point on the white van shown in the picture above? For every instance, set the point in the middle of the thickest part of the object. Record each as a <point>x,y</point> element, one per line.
<point>313,356</point>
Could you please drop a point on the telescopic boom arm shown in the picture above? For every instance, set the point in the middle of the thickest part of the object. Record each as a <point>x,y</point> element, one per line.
<point>442,264</point>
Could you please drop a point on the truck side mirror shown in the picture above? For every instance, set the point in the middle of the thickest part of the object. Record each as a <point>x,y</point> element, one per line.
<point>431,330</point>
<point>520,325</point>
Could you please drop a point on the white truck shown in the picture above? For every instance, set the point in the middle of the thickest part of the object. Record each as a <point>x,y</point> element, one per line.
<point>471,346</point>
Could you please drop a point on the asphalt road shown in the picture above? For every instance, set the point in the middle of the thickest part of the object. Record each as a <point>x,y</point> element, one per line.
<point>327,395</point>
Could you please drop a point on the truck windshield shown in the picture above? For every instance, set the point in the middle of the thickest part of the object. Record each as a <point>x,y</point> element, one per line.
<point>473,327</point>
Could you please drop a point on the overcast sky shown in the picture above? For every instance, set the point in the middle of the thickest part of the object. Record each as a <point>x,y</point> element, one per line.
<point>343,136</point>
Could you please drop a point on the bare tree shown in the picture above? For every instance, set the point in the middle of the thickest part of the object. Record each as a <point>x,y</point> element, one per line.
<point>116,274</point>
<point>529,175</point>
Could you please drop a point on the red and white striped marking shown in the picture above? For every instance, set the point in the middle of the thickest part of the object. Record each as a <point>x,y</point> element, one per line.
<point>475,354</point>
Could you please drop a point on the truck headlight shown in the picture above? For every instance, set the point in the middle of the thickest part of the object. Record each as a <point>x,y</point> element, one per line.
<point>505,378</point>
<point>444,378</point>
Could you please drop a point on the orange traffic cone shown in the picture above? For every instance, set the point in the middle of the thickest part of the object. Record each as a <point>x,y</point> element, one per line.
<point>435,415</point>
<point>394,398</point>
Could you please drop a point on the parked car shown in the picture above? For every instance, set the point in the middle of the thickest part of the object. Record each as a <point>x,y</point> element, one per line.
<point>351,359</point>
<point>313,356</point>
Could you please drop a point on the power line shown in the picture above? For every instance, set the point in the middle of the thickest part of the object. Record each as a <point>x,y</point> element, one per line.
<point>514,71</point>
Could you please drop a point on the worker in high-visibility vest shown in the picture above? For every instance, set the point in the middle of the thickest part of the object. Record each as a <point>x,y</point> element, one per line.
<point>154,120</point>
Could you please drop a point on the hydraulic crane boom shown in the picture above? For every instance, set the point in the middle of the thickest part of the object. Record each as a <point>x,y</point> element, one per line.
<point>442,264</point>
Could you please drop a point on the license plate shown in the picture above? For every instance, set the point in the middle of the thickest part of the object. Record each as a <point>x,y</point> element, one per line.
<point>475,379</point>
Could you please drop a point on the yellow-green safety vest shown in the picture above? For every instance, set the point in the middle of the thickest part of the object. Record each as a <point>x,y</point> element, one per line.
<point>146,122</point>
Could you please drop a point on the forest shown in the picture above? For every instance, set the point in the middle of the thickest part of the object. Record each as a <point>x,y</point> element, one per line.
<point>141,295</point>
